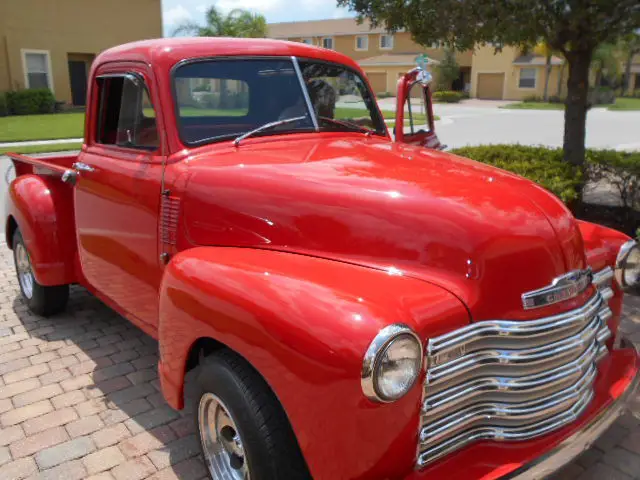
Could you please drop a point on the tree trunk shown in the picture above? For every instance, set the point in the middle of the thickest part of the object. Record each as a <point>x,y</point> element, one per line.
<point>627,73</point>
<point>575,114</point>
<point>546,80</point>
<point>560,80</point>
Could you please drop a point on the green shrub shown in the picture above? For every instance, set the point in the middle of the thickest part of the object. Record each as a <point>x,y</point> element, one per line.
<point>532,99</point>
<point>205,87</point>
<point>386,95</point>
<point>447,96</point>
<point>556,99</point>
<point>620,169</point>
<point>540,164</point>
<point>4,111</point>
<point>546,167</point>
<point>601,96</point>
<point>209,100</point>
<point>31,101</point>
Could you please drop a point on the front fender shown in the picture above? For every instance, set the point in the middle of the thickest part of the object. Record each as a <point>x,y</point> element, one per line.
<point>305,323</point>
<point>42,208</point>
<point>601,246</point>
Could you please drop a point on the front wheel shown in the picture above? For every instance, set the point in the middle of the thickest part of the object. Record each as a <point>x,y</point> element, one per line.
<point>244,432</point>
<point>40,299</point>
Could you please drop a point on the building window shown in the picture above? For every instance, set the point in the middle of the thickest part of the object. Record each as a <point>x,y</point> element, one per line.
<point>37,69</point>
<point>307,41</point>
<point>386,42</point>
<point>327,42</point>
<point>527,78</point>
<point>362,42</point>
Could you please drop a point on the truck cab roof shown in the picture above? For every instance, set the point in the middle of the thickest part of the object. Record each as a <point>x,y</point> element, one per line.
<point>166,52</point>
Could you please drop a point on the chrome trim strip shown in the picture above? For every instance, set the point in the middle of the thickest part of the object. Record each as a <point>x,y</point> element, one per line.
<point>621,265</point>
<point>512,380</point>
<point>523,384</point>
<point>499,329</point>
<point>504,433</point>
<point>604,276</point>
<point>530,357</point>
<point>580,441</point>
<point>564,287</point>
<point>536,410</point>
<point>305,92</point>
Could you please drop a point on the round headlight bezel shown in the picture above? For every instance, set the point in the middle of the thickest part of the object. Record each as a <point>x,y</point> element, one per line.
<point>375,353</point>
<point>624,253</point>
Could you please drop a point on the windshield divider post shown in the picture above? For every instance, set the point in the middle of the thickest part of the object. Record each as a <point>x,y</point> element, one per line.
<point>305,92</point>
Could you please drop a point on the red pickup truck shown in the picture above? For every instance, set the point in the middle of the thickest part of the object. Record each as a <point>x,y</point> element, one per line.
<point>357,306</point>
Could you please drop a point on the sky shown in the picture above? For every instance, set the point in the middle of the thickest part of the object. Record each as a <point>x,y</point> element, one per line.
<point>175,12</point>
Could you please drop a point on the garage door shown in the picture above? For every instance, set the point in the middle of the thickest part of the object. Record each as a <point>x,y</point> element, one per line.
<point>378,81</point>
<point>490,85</point>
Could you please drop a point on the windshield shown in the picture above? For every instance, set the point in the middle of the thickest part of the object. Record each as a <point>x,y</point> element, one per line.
<point>223,99</point>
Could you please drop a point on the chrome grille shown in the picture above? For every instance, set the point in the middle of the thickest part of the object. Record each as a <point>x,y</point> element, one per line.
<point>512,380</point>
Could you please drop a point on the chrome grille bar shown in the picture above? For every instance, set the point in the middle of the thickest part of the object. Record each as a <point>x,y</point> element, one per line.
<point>512,380</point>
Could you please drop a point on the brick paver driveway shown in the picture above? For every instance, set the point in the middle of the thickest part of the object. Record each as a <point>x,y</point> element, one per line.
<point>79,397</point>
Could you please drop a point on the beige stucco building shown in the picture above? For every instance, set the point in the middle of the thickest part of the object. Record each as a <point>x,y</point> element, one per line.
<point>634,81</point>
<point>508,74</point>
<point>505,74</point>
<point>383,56</point>
<point>51,43</point>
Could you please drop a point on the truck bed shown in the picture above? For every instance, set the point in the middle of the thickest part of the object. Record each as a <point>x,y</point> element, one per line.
<point>25,164</point>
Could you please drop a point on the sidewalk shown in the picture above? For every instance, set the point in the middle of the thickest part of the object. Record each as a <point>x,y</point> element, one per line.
<point>40,142</point>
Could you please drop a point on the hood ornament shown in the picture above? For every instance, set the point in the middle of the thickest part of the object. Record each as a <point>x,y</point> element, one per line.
<point>562,288</point>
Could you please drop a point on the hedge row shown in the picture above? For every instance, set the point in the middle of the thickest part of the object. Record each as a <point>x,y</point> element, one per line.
<point>448,96</point>
<point>546,166</point>
<point>27,102</point>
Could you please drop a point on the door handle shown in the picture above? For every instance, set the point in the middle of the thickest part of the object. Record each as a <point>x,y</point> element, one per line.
<point>70,176</point>
<point>83,167</point>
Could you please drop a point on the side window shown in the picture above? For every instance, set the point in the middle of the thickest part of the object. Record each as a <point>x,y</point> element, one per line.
<point>416,110</point>
<point>125,114</point>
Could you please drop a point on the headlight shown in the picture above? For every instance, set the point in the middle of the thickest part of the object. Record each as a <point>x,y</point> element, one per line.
<point>392,363</point>
<point>628,267</point>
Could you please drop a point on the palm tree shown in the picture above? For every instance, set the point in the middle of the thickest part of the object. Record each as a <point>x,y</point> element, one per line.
<point>545,50</point>
<point>237,23</point>
<point>605,63</point>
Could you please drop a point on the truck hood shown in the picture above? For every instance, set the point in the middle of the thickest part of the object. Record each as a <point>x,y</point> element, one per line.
<point>482,233</point>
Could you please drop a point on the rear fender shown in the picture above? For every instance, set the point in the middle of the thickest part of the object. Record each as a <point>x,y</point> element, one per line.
<point>304,323</point>
<point>42,208</point>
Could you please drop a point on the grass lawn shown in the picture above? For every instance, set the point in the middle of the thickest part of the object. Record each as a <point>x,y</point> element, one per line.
<point>535,106</point>
<point>626,104</point>
<point>41,127</point>
<point>58,147</point>
<point>344,112</point>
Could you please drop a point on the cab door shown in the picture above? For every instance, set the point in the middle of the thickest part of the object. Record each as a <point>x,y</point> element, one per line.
<point>415,122</point>
<point>118,191</point>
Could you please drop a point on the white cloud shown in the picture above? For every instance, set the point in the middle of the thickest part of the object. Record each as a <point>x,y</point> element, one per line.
<point>261,6</point>
<point>175,15</point>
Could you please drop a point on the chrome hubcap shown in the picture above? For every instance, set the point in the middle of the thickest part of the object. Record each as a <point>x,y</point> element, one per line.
<point>221,441</point>
<point>25,275</point>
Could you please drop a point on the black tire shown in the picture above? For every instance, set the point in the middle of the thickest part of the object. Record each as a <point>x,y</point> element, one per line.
<point>44,301</point>
<point>270,447</point>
